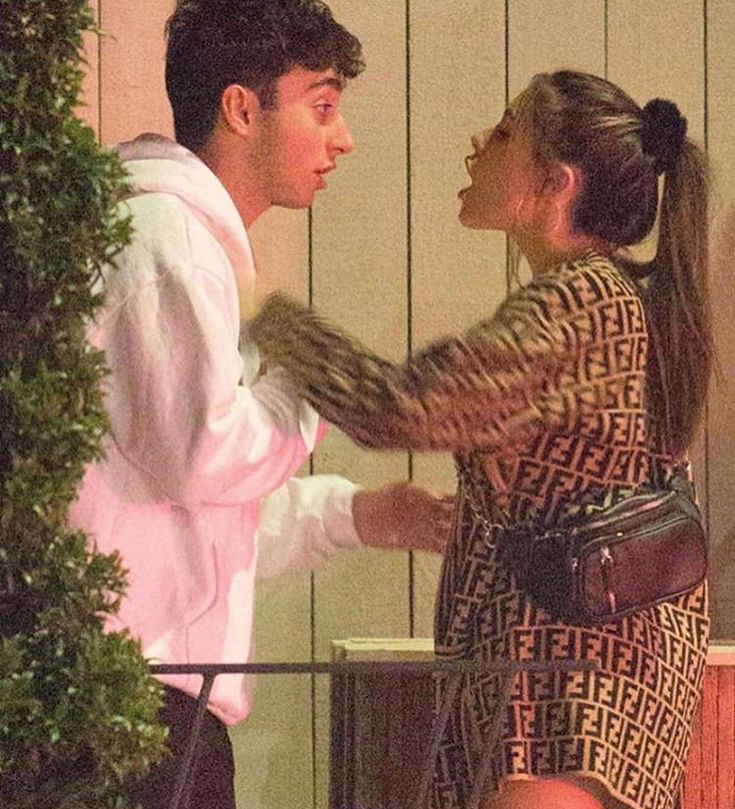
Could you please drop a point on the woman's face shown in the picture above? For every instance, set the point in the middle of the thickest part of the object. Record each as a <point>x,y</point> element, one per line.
<point>503,179</point>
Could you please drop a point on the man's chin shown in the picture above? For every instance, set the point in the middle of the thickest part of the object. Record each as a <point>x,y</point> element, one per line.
<point>295,203</point>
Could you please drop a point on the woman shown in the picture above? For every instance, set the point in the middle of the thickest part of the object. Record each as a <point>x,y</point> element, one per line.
<point>586,384</point>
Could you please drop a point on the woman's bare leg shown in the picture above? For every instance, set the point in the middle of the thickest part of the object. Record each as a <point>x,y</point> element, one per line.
<point>547,793</point>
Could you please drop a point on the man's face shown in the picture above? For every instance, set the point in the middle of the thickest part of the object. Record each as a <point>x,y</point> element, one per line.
<point>300,139</point>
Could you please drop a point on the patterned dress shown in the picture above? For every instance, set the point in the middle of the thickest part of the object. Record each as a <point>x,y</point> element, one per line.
<point>544,406</point>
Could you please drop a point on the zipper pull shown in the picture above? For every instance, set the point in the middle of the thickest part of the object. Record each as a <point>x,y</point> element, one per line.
<point>607,561</point>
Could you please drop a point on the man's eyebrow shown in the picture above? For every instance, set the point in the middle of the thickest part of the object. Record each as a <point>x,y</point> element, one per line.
<point>328,81</point>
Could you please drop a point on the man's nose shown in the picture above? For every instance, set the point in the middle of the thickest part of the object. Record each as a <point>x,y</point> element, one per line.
<point>342,137</point>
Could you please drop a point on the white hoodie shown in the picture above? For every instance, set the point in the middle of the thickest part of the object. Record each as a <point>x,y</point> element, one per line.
<point>195,441</point>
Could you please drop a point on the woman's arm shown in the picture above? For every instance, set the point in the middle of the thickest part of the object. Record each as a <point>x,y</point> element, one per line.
<point>501,383</point>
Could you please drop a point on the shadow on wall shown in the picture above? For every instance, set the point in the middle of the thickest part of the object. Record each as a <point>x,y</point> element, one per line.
<point>722,572</point>
<point>722,533</point>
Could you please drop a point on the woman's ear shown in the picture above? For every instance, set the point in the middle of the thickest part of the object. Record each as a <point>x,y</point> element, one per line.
<point>561,181</point>
<point>561,185</point>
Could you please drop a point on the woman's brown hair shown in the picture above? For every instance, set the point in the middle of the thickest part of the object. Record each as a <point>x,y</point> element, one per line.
<point>621,150</point>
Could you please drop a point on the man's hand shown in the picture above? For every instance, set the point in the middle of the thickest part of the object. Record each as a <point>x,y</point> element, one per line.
<point>403,516</point>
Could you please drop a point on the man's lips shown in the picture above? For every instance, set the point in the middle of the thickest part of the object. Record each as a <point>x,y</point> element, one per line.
<point>322,183</point>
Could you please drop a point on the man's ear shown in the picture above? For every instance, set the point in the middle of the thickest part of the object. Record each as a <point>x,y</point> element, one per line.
<point>239,108</point>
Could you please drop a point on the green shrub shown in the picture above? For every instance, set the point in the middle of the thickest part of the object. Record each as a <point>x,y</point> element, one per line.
<point>77,706</point>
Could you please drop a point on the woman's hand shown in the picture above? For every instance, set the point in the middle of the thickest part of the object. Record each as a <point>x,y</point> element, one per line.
<point>403,516</point>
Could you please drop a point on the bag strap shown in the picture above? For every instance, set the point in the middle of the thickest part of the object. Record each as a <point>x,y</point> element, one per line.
<point>477,496</point>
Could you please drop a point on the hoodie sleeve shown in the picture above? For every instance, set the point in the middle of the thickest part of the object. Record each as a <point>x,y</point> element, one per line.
<point>180,414</point>
<point>304,523</point>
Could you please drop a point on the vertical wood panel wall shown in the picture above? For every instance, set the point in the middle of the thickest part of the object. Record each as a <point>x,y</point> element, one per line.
<point>709,781</point>
<point>456,274</point>
<point>382,252</point>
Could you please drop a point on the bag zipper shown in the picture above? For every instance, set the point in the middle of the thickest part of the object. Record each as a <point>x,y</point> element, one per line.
<point>606,562</point>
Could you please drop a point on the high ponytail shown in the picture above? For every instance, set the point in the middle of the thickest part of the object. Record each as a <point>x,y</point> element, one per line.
<point>677,300</point>
<point>621,151</point>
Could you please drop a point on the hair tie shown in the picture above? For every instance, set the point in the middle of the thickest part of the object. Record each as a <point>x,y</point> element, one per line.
<point>662,133</point>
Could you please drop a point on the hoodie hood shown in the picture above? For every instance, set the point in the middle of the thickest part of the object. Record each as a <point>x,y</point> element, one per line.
<point>156,164</point>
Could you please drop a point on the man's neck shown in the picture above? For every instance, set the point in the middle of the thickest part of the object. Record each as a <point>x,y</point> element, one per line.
<point>236,179</point>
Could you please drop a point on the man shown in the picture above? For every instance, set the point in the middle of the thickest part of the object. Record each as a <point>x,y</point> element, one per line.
<point>198,439</point>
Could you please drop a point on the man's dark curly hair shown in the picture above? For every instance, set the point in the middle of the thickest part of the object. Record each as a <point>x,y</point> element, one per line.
<point>215,43</point>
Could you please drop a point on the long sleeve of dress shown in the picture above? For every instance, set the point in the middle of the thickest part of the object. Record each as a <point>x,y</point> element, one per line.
<point>499,384</point>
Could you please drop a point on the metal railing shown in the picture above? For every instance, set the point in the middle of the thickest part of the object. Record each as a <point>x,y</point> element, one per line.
<point>454,669</point>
